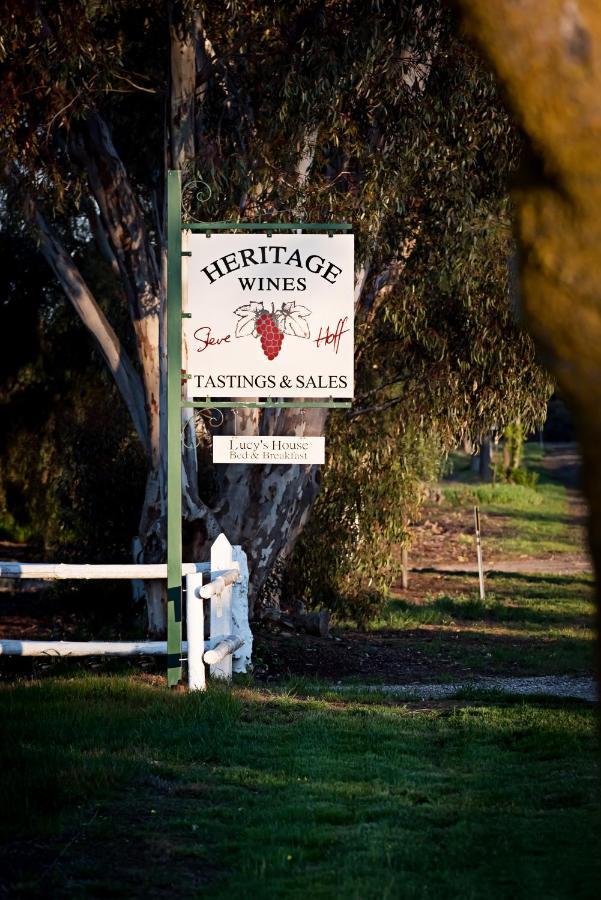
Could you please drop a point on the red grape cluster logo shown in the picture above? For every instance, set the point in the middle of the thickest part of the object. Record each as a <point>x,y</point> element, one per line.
<point>271,326</point>
<point>271,336</point>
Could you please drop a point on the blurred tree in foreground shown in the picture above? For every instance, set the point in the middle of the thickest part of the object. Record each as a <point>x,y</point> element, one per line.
<point>547,57</point>
<point>332,110</point>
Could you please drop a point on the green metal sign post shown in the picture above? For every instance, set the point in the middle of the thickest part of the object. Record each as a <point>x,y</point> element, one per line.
<point>175,403</point>
<point>174,427</point>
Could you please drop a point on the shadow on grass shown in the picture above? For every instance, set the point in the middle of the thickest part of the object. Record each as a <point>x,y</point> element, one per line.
<point>485,652</point>
<point>472,609</point>
<point>542,517</point>
<point>276,796</point>
<point>541,600</point>
<point>565,581</point>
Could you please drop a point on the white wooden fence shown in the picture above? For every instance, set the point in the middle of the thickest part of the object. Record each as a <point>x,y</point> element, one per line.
<point>229,644</point>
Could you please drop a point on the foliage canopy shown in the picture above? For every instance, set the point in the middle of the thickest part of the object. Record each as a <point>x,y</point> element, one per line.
<point>330,110</point>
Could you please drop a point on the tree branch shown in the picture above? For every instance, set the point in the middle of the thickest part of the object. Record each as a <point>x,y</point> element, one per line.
<point>183,33</point>
<point>121,215</point>
<point>123,221</point>
<point>126,378</point>
<point>100,235</point>
<point>352,414</point>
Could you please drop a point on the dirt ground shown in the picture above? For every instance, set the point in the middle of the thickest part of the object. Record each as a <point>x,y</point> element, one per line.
<point>438,537</point>
<point>392,657</point>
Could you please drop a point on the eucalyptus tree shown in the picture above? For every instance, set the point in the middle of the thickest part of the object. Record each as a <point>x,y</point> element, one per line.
<point>321,109</point>
<point>442,358</point>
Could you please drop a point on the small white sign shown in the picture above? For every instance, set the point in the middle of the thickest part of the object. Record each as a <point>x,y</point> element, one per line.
<point>273,449</point>
<point>270,316</point>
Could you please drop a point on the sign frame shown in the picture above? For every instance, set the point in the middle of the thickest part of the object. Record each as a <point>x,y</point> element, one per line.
<point>176,402</point>
<point>294,292</point>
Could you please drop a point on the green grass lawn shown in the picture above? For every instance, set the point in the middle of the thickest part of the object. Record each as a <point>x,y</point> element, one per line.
<point>535,605</point>
<point>539,520</point>
<point>531,623</point>
<point>542,623</point>
<point>115,787</point>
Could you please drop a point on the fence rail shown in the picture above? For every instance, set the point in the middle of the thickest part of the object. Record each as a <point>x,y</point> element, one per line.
<point>226,591</point>
<point>11,647</point>
<point>60,571</point>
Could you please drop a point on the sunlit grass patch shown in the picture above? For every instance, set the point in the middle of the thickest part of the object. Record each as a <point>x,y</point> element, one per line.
<point>514,496</point>
<point>533,600</point>
<point>542,623</point>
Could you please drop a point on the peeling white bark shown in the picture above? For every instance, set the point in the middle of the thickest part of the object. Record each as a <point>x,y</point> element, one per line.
<point>123,222</point>
<point>242,657</point>
<point>144,285</point>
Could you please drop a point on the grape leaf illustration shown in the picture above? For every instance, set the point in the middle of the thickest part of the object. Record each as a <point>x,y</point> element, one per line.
<point>292,319</point>
<point>245,326</point>
<point>247,318</point>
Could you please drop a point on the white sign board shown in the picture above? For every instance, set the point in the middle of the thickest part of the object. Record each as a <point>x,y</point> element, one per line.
<point>270,316</point>
<point>269,449</point>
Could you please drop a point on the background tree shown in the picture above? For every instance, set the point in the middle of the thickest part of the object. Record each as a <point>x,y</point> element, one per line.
<point>322,109</point>
<point>442,361</point>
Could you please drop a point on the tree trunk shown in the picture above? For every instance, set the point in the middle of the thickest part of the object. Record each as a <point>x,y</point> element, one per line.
<point>183,32</point>
<point>264,508</point>
<point>484,468</point>
<point>144,287</point>
<point>547,56</point>
<point>152,541</point>
<point>96,323</point>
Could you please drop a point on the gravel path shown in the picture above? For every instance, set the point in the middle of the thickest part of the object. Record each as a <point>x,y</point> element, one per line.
<point>545,685</point>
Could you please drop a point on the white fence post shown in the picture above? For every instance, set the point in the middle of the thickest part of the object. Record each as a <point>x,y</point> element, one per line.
<point>240,626</point>
<point>221,604</point>
<point>195,628</point>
